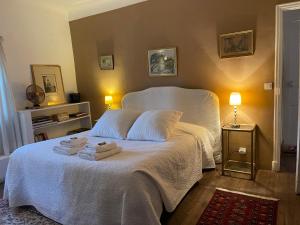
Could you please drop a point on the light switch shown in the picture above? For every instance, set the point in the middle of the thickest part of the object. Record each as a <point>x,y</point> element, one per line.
<point>268,86</point>
<point>242,150</point>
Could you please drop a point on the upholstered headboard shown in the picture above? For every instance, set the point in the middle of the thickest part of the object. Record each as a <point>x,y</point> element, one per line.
<point>199,106</point>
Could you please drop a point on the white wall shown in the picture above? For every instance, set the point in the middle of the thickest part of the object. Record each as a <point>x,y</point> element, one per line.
<point>35,34</point>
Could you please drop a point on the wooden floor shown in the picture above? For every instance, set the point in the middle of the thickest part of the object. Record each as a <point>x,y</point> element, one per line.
<point>279,185</point>
<point>288,162</point>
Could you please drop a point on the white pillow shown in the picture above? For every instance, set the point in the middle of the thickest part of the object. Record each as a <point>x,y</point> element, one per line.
<point>154,125</point>
<point>114,124</point>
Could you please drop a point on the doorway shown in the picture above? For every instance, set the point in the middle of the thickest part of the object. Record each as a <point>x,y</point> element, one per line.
<point>290,89</point>
<point>286,97</point>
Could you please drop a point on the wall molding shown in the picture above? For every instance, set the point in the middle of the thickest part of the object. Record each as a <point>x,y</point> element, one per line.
<point>275,166</point>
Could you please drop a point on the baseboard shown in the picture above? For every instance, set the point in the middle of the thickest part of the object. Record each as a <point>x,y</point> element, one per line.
<point>3,166</point>
<point>275,166</point>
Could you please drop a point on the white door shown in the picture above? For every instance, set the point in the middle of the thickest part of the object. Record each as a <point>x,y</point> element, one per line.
<point>297,188</point>
<point>297,182</point>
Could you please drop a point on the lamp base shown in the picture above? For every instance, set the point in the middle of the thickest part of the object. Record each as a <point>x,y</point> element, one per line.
<point>108,107</point>
<point>235,125</point>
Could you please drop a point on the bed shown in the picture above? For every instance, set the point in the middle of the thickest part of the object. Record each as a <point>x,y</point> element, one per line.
<point>130,188</point>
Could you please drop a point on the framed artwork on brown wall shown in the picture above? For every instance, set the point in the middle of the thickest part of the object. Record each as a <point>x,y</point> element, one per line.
<point>49,78</point>
<point>162,62</point>
<point>236,44</point>
<point>106,62</point>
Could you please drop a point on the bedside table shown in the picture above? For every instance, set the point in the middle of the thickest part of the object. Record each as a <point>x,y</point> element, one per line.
<point>239,151</point>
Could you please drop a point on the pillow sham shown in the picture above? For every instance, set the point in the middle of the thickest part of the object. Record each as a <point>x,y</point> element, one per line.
<point>154,125</point>
<point>114,124</point>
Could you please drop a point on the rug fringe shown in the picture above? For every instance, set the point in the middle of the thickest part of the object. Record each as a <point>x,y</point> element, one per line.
<point>251,195</point>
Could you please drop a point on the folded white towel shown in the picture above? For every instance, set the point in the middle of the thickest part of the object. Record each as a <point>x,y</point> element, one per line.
<point>100,147</point>
<point>74,142</point>
<point>97,156</point>
<point>66,150</point>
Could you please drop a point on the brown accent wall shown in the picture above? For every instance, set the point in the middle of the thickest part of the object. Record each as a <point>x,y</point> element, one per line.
<point>193,27</point>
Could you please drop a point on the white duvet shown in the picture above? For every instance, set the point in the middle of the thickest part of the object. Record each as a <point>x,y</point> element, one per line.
<point>130,188</point>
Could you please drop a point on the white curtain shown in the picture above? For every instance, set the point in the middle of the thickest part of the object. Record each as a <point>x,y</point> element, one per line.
<point>10,137</point>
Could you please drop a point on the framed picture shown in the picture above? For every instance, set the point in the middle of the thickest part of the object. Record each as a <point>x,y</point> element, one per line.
<point>106,62</point>
<point>162,62</point>
<point>49,78</point>
<point>40,137</point>
<point>236,44</point>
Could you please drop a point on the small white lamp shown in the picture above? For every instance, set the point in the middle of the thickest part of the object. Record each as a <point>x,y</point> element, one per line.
<point>235,100</point>
<point>108,101</point>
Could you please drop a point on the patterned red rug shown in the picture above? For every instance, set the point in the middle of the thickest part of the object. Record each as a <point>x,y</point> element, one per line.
<point>236,208</point>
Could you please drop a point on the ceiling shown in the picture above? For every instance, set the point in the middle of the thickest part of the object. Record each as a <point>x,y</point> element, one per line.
<point>77,9</point>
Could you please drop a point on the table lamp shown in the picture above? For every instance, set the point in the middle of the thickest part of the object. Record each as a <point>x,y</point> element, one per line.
<point>108,101</point>
<point>235,100</point>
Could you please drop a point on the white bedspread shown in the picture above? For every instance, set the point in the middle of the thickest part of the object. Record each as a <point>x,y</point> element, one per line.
<point>129,188</point>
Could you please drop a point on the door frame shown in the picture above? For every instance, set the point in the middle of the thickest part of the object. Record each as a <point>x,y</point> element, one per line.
<point>277,135</point>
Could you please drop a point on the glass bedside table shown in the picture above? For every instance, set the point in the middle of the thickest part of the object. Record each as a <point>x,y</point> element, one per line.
<point>239,151</point>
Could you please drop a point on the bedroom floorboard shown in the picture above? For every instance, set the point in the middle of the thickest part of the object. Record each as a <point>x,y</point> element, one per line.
<point>267,183</point>
<point>278,185</point>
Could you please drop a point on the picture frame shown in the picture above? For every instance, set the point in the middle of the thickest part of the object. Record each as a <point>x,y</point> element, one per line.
<point>162,62</point>
<point>106,62</point>
<point>49,78</point>
<point>236,44</point>
<point>40,137</point>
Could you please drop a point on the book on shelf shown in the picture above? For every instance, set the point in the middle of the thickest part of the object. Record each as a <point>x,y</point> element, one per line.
<point>42,123</point>
<point>41,118</point>
<point>78,114</point>
<point>61,117</point>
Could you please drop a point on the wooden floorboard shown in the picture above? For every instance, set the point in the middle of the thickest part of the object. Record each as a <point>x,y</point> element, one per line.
<point>288,162</point>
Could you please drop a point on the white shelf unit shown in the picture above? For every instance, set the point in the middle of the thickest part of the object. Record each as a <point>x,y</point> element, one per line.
<point>57,129</point>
